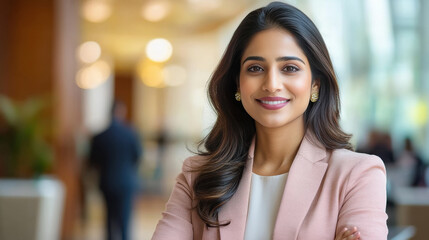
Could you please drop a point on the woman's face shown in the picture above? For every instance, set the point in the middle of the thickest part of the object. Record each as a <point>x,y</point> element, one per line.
<point>275,79</point>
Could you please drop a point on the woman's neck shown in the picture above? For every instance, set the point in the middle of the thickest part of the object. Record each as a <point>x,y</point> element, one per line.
<point>276,148</point>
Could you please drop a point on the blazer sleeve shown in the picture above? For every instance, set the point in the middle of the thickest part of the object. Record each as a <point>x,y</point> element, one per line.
<point>176,221</point>
<point>364,204</point>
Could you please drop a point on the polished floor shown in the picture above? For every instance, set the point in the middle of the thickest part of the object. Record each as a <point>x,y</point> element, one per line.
<point>147,212</point>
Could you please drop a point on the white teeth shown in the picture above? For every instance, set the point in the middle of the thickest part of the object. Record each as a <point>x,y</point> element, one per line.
<point>273,102</point>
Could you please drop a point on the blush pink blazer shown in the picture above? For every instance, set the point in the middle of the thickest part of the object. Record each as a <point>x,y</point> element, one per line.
<point>326,190</point>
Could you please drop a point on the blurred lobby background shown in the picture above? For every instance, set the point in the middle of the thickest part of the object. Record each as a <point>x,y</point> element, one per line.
<point>62,62</point>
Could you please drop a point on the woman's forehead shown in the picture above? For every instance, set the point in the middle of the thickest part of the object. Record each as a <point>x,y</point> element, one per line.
<point>273,42</point>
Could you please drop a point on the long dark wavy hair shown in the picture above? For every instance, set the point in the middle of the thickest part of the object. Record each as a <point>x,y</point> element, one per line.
<point>225,148</point>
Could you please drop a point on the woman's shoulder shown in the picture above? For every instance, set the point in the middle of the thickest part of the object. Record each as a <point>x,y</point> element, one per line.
<point>343,158</point>
<point>191,163</point>
<point>191,166</point>
<point>348,167</point>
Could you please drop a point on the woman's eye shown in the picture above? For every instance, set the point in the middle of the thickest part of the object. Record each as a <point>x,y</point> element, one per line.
<point>291,69</point>
<point>255,69</point>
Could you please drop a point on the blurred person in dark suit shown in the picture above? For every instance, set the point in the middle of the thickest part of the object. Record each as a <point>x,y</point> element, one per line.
<point>115,153</point>
<point>379,144</point>
<point>407,163</point>
<point>410,158</point>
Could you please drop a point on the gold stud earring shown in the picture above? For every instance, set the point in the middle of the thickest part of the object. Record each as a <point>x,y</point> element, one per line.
<point>314,97</point>
<point>238,96</point>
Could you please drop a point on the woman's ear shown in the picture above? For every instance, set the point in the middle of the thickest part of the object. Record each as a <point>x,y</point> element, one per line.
<point>315,86</point>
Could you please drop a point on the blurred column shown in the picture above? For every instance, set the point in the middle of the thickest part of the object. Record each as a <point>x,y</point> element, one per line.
<point>381,48</point>
<point>4,29</point>
<point>68,108</point>
<point>424,31</point>
<point>424,79</point>
<point>37,42</point>
<point>26,39</point>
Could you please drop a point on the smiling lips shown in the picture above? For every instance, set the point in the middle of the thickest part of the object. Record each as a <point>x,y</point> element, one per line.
<point>272,103</point>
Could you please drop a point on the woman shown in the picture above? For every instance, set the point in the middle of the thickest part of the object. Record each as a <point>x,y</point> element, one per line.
<point>276,164</point>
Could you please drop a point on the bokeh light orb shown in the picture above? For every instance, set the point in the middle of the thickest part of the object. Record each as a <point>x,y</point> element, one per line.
<point>96,10</point>
<point>94,75</point>
<point>155,11</point>
<point>159,50</point>
<point>150,74</point>
<point>89,52</point>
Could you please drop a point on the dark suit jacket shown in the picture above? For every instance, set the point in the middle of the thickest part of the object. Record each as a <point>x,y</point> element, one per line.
<point>115,152</point>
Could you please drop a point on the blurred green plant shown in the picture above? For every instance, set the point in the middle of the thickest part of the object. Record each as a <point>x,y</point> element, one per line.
<point>23,137</point>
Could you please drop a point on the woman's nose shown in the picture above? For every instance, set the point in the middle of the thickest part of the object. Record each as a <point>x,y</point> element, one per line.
<point>272,82</point>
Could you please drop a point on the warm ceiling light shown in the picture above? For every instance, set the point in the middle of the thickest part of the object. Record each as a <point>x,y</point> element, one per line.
<point>159,50</point>
<point>174,75</point>
<point>151,74</point>
<point>89,52</point>
<point>93,75</point>
<point>155,11</point>
<point>96,10</point>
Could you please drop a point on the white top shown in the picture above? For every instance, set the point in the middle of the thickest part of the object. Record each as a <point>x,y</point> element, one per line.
<point>265,196</point>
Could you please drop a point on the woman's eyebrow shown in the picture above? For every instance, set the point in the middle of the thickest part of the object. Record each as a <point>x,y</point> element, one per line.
<point>279,59</point>
<point>257,58</point>
<point>288,58</point>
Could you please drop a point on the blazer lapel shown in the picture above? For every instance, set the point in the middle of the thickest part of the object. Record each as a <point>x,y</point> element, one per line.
<point>303,182</point>
<point>235,210</point>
